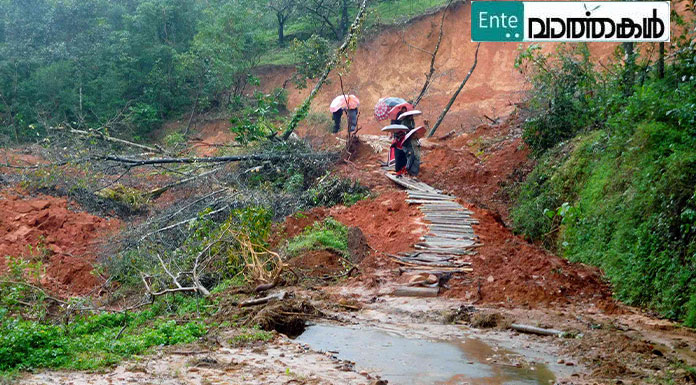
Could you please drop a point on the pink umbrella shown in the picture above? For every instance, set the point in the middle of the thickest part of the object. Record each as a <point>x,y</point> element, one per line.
<point>341,101</point>
<point>384,105</point>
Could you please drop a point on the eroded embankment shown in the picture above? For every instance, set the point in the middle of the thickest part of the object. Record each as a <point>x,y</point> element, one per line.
<point>64,240</point>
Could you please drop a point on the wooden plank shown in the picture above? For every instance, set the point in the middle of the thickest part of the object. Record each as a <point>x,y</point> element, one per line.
<point>449,241</point>
<point>447,245</point>
<point>427,263</point>
<point>448,250</point>
<point>435,270</point>
<point>463,237</point>
<point>430,257</point>
<point>461,233</point>
<point>453,228</point>
<point>431,195</point>
<point>432,202</point>
<point>409,291</point>
<point>446,218</point>
<point>457,210</point>
<point>403,182</point>
<point>451,222</point>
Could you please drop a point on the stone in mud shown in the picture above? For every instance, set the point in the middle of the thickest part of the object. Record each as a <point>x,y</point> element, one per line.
<point>357,244</point>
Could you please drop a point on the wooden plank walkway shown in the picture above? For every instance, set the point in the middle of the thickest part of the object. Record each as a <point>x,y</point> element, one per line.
<point>450,238</point>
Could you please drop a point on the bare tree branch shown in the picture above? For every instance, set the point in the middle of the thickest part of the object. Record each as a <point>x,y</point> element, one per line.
<point>102,136</point>
<point>456,93</point>
<point>433,56</point>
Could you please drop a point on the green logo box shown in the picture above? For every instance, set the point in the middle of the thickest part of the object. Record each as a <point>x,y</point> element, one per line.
<point>497,21</point>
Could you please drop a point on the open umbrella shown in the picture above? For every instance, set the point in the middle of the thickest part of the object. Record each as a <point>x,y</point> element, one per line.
<point>341,100</point>
<point>396,110</point>
<point>385,105</point>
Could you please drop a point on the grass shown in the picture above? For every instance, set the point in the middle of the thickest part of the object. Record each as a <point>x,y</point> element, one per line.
<point>399,11</point>
<point>248,335</point>
<point>379,14</point>
<point>328,234</point>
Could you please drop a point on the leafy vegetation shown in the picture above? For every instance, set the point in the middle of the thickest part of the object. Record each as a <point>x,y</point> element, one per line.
<point>329,234</point>
<point>615,181</point>
<point>126,67</point>
<point>93,341</point>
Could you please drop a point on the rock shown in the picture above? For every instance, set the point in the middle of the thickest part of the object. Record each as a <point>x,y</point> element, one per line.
<point>490,279</point>
<point>569,364</point>
<point>358,248</point>
<point>560,361</point>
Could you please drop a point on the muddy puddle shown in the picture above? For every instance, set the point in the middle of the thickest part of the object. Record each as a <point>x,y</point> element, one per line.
<point>402,360</point>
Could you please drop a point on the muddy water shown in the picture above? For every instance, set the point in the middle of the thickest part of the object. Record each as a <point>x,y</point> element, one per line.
<point>402,360</point>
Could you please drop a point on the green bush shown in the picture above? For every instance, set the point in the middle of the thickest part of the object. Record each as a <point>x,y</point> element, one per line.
<point>622,196</point>
<point>561,101</point>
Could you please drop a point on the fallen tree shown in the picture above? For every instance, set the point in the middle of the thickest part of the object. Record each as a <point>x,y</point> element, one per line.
<point>349,43</point>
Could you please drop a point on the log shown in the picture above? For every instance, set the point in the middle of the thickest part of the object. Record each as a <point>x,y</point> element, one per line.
<point>259,301</point>
<point>535,330</point>
<point>407,291</point>
<point>435,270</point>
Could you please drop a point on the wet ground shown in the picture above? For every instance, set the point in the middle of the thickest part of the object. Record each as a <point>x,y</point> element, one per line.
<point>411,361</point>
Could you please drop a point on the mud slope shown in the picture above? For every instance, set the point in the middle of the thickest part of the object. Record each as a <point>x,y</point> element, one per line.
<point>384,65</point>
<point>46,229</point>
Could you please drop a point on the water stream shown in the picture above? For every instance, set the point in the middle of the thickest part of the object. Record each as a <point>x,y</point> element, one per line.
<point>402,360</point>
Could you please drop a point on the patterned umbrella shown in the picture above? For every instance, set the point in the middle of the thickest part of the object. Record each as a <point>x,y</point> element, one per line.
<point>340,102</point>
<point>384,105</point>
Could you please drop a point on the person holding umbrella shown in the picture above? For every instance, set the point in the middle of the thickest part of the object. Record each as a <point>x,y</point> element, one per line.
<point>405,151</point>
<point>348,104</point>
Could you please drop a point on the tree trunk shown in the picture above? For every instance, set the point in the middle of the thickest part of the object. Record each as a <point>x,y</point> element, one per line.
<point>661,62</point>
<point>344,19</point>
<point>629,75</point>
<point>281,31</point>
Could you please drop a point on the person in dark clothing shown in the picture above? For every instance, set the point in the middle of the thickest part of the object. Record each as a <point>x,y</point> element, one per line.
<point>411,151</point>
<point>352,119</point>
<point>337,120</point>
<point>400,158</point>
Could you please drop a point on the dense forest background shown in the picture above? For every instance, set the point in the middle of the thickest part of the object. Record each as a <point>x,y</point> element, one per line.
<point>127,66</point>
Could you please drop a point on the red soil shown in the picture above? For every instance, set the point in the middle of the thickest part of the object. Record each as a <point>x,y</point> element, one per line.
<point>45,229</point>
<point>317,263</point>
<point>389,224</point>
<point>451,165</point>
<point>509,270</point>
<point>385,65</point>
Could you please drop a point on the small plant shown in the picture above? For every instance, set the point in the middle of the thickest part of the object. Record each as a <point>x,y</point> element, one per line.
<point>248,335</point>
<point>132,198</point>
